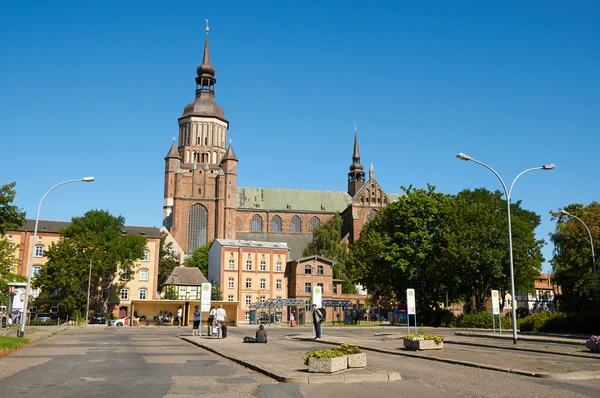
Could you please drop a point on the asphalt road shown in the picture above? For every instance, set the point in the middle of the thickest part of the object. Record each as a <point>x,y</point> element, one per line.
<point>154,362</point>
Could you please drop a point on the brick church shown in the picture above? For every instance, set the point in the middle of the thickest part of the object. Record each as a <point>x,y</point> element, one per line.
<point>202,201</point>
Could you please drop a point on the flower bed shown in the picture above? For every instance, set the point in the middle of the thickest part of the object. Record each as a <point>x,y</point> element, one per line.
<point>424,342</point>
<point>339,358</point>
<point>593,344</point>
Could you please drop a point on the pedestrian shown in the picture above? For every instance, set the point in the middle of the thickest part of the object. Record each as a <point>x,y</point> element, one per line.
<point>261,335</point>
<point>211,320</point>
<point>197,319</point>
<point>179,315</point>
<point>292,320</point>
<point>220,317</point>
<point>317,318</point>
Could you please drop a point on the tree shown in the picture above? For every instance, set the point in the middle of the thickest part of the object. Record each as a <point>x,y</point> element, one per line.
<point>97,237</point>
<point>199,259</point>
<point>215,294</point>
<point>11,217</point>
<point>572,261</point>
<point>326,242</point>
<point>8,265</point>
<point>166,261</point>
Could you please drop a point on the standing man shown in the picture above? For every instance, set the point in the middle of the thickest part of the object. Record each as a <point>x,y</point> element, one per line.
<point>179,315</point>
<point>197,319</point>
<point>317,318</point>
<point>221,315</point>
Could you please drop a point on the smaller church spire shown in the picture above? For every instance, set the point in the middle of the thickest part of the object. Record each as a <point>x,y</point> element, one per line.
<point>205,71</point>
<point>371,172</point>
<point>173,153</point>
<point>229,154</point>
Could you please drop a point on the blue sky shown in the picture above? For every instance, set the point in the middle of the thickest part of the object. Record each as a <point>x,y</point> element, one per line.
<point>97,89</point>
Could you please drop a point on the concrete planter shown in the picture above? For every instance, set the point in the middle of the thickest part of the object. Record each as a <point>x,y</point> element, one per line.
<point>423,344</point>
<point>592,346</point>
<point>357,360</point>
<point>327,365</point>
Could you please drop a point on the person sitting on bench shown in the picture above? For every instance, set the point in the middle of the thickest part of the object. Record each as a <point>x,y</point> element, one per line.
<point>261,335</point>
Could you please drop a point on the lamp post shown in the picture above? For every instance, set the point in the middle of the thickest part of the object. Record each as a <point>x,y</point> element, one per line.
<point>507,192</point>
<point>87,305</point>
<point>21,332</point>
<point>562,211</point>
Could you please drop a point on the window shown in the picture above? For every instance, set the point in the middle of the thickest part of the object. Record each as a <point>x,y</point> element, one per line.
<point>257,223</point>
<point>248,315</point>
<point>248,283</point>
<point>230,298</point>
<point>231,264</point>
<point>321,286</point>
<point>124,294</point>
<point>307,287</point>
<point>9,237</point>
<point>263,266</point>
<point>143,294</point>
<point>279,257</point>
<point>36,269</point>
<point>125,276</point>
<point>278,284</point>
<point>263,256</point>
<point>103,294</point>
<point>193,292</point>
<point>197,227</point>
<point>248,265</point>
<point>308,269</point>
<point>263,284</point>
<point>182,291</point>
<point>230,284</point>
<point>248,301</point>
<point>296,224</point>
<point>146,256</point>
<point>39,237</point>
<point>39,251</point>
<point>54,309</point>
<point>263,299</point>
<point>319,270</point>
<point>231,255</point>
<point>144,275</point>
<point>278,267</point>
<point>314,223</point>
<point>276,224</point>
<point>335,288</point>
<point>11,245</point>
<point>249,256</point>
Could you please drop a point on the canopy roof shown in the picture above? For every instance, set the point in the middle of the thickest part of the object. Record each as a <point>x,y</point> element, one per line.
<point>337,303</point>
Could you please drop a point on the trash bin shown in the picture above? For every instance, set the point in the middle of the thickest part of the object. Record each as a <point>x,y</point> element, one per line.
<point>253,317</point>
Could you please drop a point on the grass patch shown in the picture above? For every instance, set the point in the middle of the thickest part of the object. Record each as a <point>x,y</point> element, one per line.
<point>11,343</point>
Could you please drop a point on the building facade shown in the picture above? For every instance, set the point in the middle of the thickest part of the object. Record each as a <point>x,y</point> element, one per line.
<point>139,285</point>
<point>248,271</point>
<point>202,201</point>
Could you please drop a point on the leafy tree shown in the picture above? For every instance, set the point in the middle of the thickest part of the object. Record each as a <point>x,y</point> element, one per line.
<point>11,217</point>
<point>97,237</point>
<point>8,265</point>
<point>215,294</point>
<point>572,261</point>
<point>166,262</point>
<point>326,242</point>
<point>199,259</point>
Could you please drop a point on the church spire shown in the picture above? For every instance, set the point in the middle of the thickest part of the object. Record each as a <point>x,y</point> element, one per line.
<point>206,72</point>
<point>356,176</point>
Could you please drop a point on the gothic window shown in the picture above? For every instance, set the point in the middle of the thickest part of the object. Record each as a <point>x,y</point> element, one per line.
<point>256,223</point>
<point>197,227</point>
<point>314,223</point>
<point>276,224</point>
<point>371,215</point>
<point>296,224</point>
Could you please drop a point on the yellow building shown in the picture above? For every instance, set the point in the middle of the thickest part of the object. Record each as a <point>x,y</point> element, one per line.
<point>248,271</point>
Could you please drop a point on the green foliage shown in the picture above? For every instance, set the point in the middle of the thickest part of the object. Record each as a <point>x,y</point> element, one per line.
<point>326,242</point>
<point>436,317</point>
<point>199,259</point>
<point>11,218</point>
<point>8,266</point>
<point>572,261</point>
<point>348,349</point>
<point>421,336</point>
<point>215,293</point>
<point>171,293</point>
<point>561,322</point>
<point>95,237</point>
<point>166,262</point>
<point>480,320</point>
<point>333,353</point>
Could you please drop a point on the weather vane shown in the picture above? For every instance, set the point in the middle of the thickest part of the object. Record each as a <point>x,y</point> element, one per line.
<point>207,28</point>
<point>230,141</point>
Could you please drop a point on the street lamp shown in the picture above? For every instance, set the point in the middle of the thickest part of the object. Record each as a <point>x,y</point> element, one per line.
<point>87,305</point>
<point>21,332</point>
<point>463,156</point>
<point>562,211</point>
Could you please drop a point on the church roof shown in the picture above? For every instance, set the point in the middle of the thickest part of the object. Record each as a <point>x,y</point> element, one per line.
<point>230,155</point>
<point>292,199</point>
<point>173,153</point>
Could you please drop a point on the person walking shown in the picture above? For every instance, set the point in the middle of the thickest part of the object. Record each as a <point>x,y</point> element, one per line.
<point>211,320</point>
<point>220,316</point>
<point>317,318</point>
<point>197,319</point>
<point>179,315</point>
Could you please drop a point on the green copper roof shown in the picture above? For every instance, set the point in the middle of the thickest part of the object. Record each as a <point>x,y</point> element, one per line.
<point>297,200</point>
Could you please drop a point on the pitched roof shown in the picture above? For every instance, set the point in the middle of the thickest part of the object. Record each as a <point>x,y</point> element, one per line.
<point>229,154</point>
<point>186,276</point>
<point>173,153</point>
<point>297,200</point>
<point>315,257</point>
<point>56,226</point>
<point>249,243</point>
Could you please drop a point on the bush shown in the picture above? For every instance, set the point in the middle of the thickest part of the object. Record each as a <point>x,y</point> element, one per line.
<point>562,322</point>
<point>480,320</point>
<point>436,317</point>
<point>322,354</point>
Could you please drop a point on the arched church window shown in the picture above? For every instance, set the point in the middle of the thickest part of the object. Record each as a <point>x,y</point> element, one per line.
<point>197,227</point>
<point>276,224</point>
<point>371,215</point>
<point>314,223</point>
<point>296,224</point>
<point>256,223</point>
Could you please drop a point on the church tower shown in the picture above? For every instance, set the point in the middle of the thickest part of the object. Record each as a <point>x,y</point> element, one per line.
<point>356,176</point>
<point>200,180</point>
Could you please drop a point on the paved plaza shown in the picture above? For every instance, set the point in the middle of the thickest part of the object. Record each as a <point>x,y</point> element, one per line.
<point>170,362</point>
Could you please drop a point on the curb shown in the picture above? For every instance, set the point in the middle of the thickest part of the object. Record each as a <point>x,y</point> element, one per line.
<point>582,375</point>
<point>322,379</point>
<point>564,342</point>
<point>518,349</point>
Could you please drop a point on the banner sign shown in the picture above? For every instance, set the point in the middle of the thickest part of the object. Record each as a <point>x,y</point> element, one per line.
<point>495,303</point>
<point>317,296</point>
<point>205,297</point>
<point>410,301</point>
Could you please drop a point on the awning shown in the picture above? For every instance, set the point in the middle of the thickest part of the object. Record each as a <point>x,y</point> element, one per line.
<point>337,303</point>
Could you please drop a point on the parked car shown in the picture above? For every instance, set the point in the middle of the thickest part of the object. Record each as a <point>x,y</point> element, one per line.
<point>119,322</point>
<point>98,318</point>
<point>43,317</point>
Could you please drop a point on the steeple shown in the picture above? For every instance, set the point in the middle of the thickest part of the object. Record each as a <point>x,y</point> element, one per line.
<point>356,176</point>
<point>173,153</point>
<point>206,72</point>
<point>230,155</point>
<point>371,172</point>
